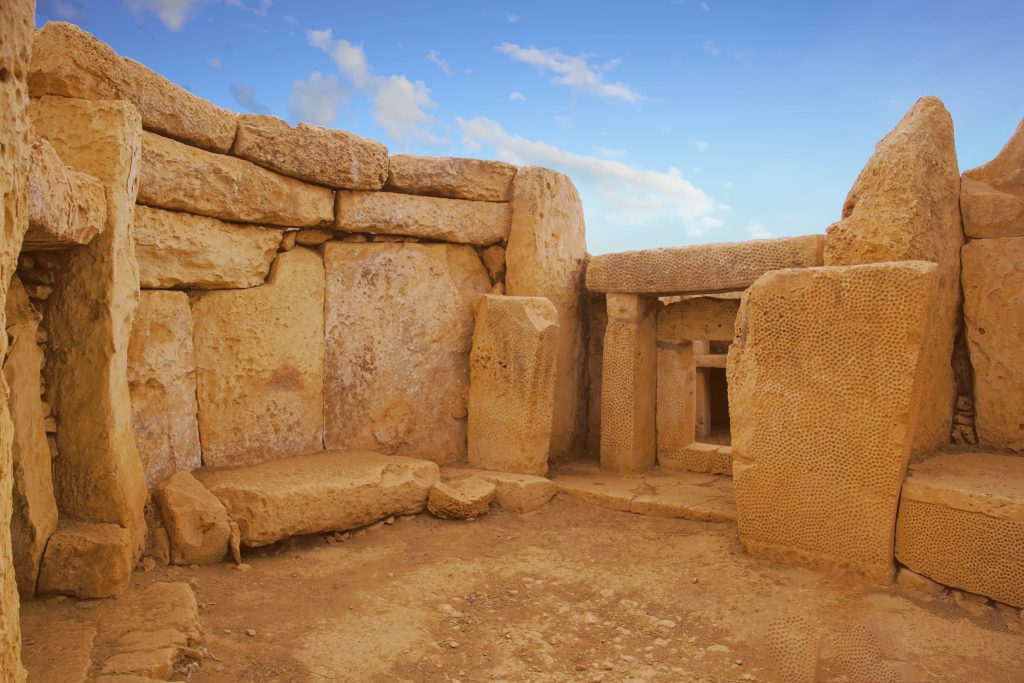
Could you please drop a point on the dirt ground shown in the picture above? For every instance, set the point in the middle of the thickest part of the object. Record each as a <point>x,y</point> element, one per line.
<point>572,592</point>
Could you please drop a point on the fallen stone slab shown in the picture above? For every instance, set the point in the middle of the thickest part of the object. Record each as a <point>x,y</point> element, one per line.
<point>87,560</point>
<point>66,207</point>
<point>513,492</point>
<point>318,492</point>
<point>466,498</point>
<point>196,522</point>
<point>454,178</point>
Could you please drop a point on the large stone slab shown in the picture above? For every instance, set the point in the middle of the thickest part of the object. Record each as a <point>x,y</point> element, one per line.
<point>197,523</point>
<point>70,62</point>
<point>162,381</point>
<point>904,205</point>
<point>993,281</point>
<point>545,257</point>
<point>334,158</point>
<point>87,560</point>
<point>476,179</point>
<point>992,195</point>
<point>259,357</point>
<point>66,207</point>
<point>703,318</point>
<point>702,268</point>
<point>449,220</point>
<point>399,331</point>
<point>675,406</point>
<point>182,251</point>
<point>512,384</point>
<point>313,493</point>
<point>824,380</point>
<point>183,178</point>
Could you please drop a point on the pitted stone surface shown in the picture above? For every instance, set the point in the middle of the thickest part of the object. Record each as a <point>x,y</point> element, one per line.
<point>992,195</point>
<point>703,318</point>
<point>197,523</point>
<point>476,179</point>
<point>465,498</point>
<point>675,406</point>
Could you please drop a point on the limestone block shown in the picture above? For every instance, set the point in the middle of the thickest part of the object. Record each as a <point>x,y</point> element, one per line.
<point>196,522</point>
<point>545,257</point>
<point>313,237</point>
<point>629,384</point>
<point>87,560</point>
<point>993,282</point>
<point>597,322</point>
<point>334,158</point>
<point>702,268</point>
<point>675,407</point>
<point>904,205</point>
<point>399,332</point>
<point>992,195</point>
<point>450,220</point>
<point>162,381</point>
<point>961,523</point>
<point>477,179</point>
<point>183,178</point>
<point>66,207</point>
<point>824,380</point>
<point>182,251</point>
<point>69,62</point>
<point>494,261</point>
<point>465,498</point>
<point>704,318</point>
<point>318,492</point>
<point>519,493</point>
<point>259,357</point>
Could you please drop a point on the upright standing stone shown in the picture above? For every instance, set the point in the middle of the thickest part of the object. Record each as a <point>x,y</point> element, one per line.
<point>675,408</point>
<point>597,322</point>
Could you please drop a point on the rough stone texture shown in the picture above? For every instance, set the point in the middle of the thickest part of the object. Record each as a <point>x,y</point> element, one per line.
<point>450,220</point>
<point>69,62</point>
<point>629,384</point>
<point>546,257</point>
<point>918,583</point>
<point>98,476</point>
<point>494,261</point>
<point>703,318</point>
<point>259,357</point>
<point>824,380</point>
<point>63,654</point>
<point>702,268</point>
<point>162,381</point>
<point>87,560</point>
<point>675,406</point>
<point>961,523</point>
<point>696,457</point>
<point>34,515</point>
<point>183,178</point>
<point>486,181</point>
<point>178,250</point>
<point>399,332</point>
<point>992,195</point>
<point>597,322</point>
<point>904,205</point>
<point>196,522</point>
<point>335,158</point>
<point>512,384</point>
<point>326,491</point>
<point>465,498</point>
<point>519,493</point>
<point>993,281</point>
<point>66,207</point>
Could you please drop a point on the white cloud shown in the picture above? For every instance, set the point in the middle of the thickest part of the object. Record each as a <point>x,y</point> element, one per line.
<point>260,9</point>
<point>757,230</point>
<point>704,7</point>
<point>516,96</point>
<point>512,18</point>
<point>171,13</point>
<point>435,57</point>
<point>575,72</point>
<point>317,99</point>
<point>216,63</point>
<point>610,153</point>
<point>349,58</point>
<point>710,48</point>
<point>62,10</point>
<point>701,145</point>
<point>245,95</point>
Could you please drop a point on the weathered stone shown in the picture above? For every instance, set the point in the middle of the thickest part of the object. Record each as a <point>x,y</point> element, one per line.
<point>520,493</point>
<point>545,257</point>
<point>918,583</point>
<point>334,158</point>
<point>466,498</point>
<point>905,206</point>
<point>993,283</point>
<point>183,178</point>
<point>60,650</point>
<point>597,323</point>
<point>69,62</point>
<point>696,457</point>
<point>87,560</point>
<point>704,318</point>
<point>450,220</point>
<point>313,237</point>
<point>824,380</point>
<point>702,268</point>
<point>196,522</point>
<point>66,207</point>
<point>182,251</point>
<point>487,181</point>
<point>992,195</point>
<point>318,492</point>
<point>512,384</point>
<point>399,332</point>
<point>494,261</point>
<point>162,381</point>
<point>675,406</point>
<point>259,357</point>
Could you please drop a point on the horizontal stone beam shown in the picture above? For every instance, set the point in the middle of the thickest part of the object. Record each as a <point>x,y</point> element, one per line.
<point>704,318</point>
<point>66,207</point>
<point>700,269</point>
<point>711,360</point>
<point>477,179</point>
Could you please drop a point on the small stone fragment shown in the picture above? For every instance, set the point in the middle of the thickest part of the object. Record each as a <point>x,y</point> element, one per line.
<point>461,499</point>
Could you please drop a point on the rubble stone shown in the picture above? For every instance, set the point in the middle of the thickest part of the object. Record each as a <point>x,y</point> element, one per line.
<point>87,560</point>
<point>466,498</point>
<point>196,522</point>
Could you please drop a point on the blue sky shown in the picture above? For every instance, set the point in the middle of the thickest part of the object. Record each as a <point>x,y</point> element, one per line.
<point>681,122</point>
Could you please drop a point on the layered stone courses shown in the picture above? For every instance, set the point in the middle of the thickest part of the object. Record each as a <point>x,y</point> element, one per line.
<point>476,179</point>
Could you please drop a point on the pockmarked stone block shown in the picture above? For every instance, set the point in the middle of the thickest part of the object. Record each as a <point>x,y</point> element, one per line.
<point>259,357</point>
<point>454,178</point>
<point>824,380</point>
<point>597,322</point>
<point>512,384</point>
<point>66,207</point>
<point>87,560</point>
<point>704,318</point>
<point>465,498</point>
<point>961,523</point>
<point>70,62</point>
<point>519,493</point>
<point>176,176</point>
<point>992,195</point>
<point>675,407</point>
<point>179,250</point>
<point>700,269</point>
<point>196,522</point>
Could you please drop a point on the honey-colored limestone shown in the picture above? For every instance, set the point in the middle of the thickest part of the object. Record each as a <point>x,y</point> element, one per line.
<point>196,522</point>
<point>66,207</point>
<point>178,250</point>
<point>259,356</point>
<point>597,322</point>
<point>69,62</point>
<point>477,179</point>
<point>519,493</point>
<point>335,158</point>
<point>992,195</point>
<point>512,384</point>
<point>399,328</point>
<point>162,381</point>
<point>176,176</point>
<point>705,318</point>
<point>675,408</point>
<point>87,560</point>
<point>824,379</point>
<point>904,205</point>
<point>465,498</point>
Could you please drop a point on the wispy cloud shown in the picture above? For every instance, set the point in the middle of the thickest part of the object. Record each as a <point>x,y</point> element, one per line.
<point>710,48</point>
<point>62,10</point>
<point>317,99</point>
<point>435,57</point>
<point>701,145</point>
<point>172,13</point>
<point>610,153</point>
<point>216,63</point>
<point>511,17</point>
<point>260,8</point>
<point>516,96</point>
<point>245,95</point>
<point>573,71</point>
